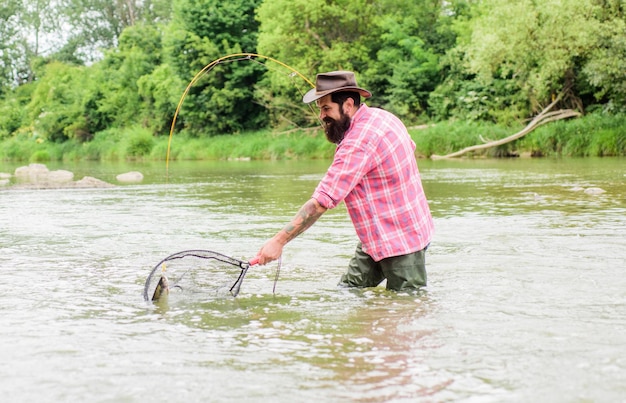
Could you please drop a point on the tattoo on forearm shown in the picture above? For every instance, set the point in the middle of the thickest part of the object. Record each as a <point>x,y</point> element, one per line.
<point>306,217</point>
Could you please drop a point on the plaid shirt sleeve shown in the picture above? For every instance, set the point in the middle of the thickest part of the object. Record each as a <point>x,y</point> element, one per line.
<point>375,173</point>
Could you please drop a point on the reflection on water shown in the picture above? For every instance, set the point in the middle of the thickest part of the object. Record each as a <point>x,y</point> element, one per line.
<point>525,299</point>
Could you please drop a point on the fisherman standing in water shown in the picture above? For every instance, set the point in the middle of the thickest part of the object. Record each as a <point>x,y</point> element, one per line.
<point>374,171</point>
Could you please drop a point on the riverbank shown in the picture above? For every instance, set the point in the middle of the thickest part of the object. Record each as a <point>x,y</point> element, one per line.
<point>591,135</point>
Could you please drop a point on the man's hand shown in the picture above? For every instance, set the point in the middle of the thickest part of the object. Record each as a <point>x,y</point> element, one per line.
<point>307,215</point>
<point>270,251</point>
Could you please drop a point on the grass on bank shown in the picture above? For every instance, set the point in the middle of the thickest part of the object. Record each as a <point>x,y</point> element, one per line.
<point>591,135</point>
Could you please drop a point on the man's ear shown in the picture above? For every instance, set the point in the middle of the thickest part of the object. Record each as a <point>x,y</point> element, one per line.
<point>348,106</point>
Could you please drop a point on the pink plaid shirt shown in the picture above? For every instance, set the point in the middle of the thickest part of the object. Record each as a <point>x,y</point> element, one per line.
<point>375,172</point>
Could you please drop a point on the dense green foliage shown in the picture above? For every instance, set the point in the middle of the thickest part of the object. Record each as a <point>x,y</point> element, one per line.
<point>203,31</point>
<point>111,88</point>
<point>596,135</point>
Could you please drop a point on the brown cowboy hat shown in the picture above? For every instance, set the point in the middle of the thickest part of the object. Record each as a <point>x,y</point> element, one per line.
<point>327,83</point>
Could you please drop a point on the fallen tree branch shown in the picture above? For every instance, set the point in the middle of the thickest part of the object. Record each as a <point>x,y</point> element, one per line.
<point>542,118</point>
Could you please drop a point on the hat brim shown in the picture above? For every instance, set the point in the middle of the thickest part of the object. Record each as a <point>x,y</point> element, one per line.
<point>313,95</point>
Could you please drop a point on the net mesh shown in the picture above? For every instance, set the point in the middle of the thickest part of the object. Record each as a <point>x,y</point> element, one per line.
<point>201,273</point>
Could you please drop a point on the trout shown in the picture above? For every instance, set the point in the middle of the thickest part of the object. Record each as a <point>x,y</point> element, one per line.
<point>162,288</point>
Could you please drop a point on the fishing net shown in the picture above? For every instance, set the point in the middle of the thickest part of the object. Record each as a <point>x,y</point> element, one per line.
<point>196,272</point>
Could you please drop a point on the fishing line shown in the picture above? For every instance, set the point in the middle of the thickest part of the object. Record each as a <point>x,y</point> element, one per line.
<point>205,70</point>
<point>280,259</point>
<point>291,76</point>
<point>206,272</point>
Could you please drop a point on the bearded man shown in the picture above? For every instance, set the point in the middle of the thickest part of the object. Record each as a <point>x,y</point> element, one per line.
<point>374,172</point>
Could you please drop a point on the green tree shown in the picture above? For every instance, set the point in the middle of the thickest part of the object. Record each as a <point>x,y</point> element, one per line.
<point>202,31</point>
<point>542,46</point>
<point>23,27</point>
<point>311,36</point>
<point>160,92</point>
<point>138,54</point>
<point>392,45</point>
<point>13,111</point>
<point>605,67</point>
<point>9,49</point>
<point>96,25</point>
<point>405,48</point>
<point>316,35</point>
<point>55,109</point>
<point>75,102</point>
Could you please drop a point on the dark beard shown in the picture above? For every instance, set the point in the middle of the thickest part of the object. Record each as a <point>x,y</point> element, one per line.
<point>336,129</point>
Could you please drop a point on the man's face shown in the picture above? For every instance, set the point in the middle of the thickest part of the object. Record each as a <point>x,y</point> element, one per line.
<point>336,121</point>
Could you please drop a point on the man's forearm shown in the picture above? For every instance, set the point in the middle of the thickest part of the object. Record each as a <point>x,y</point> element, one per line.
<point>303,220</point>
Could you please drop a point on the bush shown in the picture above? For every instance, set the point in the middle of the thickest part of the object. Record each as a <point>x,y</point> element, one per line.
<point>104,146</point>
<point>139,142</point>
<point>11,115</point>
<point>40,156</point>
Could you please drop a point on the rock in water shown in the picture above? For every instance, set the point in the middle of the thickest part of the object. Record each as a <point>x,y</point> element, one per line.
<point>60,176</point>
<point>130,177</point>
<point>33,173</point>
<point>90,182</point>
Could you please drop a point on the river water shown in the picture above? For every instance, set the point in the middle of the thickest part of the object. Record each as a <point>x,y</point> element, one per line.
<point>526,298</point>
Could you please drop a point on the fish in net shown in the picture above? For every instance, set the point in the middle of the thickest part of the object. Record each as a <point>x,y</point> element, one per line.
<point>196,272</point>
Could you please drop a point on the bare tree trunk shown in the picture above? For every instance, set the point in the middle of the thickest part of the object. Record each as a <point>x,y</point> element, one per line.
<point>130,8</point>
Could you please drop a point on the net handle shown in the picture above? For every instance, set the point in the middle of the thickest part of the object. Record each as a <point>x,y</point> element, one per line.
<point>234,290</point>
